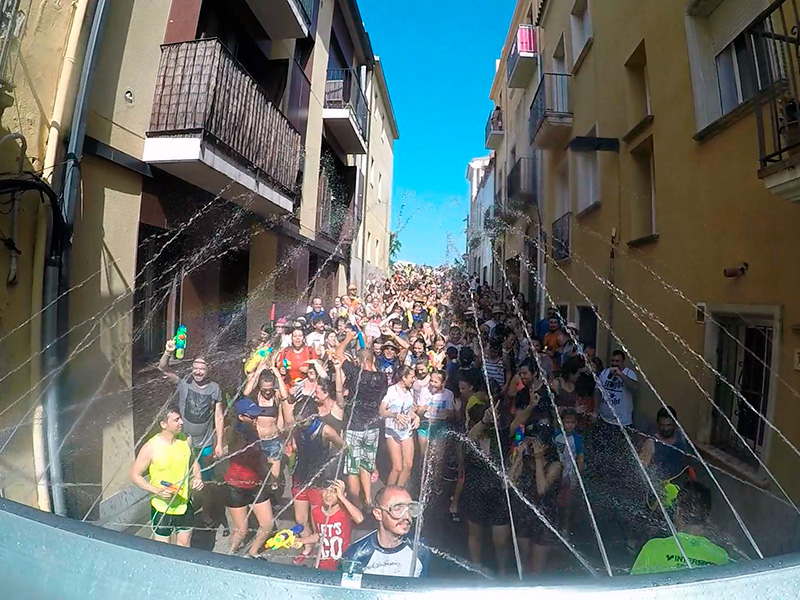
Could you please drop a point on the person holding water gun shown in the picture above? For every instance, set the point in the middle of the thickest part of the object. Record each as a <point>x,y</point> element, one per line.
<point>167,458</point>
<point>333,525</point>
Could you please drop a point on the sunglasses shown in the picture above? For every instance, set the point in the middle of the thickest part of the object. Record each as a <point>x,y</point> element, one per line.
<point>397,511</point>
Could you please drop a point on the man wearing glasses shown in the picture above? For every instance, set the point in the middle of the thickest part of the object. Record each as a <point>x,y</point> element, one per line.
<point>388,550</point>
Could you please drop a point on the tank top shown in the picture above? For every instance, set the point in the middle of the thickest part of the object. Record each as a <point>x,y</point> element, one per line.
<point>336,424</point>
<point>565,398</point>
<point>312,453</point>
<point>170,465</point>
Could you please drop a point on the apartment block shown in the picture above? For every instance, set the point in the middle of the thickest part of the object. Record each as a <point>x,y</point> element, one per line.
<point>480,242</point>
<point>221,176</point>
<point>663,186</point>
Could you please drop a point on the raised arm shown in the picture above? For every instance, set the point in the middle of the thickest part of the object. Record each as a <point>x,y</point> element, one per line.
<point>163,363</point>
<point>339,382</point>
<point>140,465</point>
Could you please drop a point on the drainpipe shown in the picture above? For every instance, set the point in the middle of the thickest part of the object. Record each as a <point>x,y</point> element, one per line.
<point>12,270</point>
<point>56,276</point>
<point>61,99</point>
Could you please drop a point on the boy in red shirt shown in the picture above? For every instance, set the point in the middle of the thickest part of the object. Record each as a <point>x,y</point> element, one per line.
<point>296,357</point>
<point>333,521</point>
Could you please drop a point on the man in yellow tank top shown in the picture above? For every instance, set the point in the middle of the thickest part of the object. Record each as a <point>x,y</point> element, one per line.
<point>173,471</point>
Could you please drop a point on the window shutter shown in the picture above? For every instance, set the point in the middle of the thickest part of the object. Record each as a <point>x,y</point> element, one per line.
<point>731,18</point>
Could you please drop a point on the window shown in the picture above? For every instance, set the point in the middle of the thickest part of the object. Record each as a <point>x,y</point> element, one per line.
<point>581,26</point>
<point>380,186</point>
<point>728,64</point>
<point>643,190</point>
<point>637,86</point>
<point>372,172</point>
<point>377,252</point>
<point>369,247</point>
<point>587,178</point>
<point>562,190</point>
<point>560,57</point>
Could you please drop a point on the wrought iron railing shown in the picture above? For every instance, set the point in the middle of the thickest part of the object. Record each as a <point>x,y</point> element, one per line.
<point>772,67</point>
<point>521,183</point>
<point>552,98</point>
<point>524,43</point>
<point>495,122</point>
<point>202,88</point>
<point>343,90</point>
<point>561,230</point>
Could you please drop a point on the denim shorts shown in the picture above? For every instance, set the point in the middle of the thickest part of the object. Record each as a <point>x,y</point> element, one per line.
<point>272,448</point>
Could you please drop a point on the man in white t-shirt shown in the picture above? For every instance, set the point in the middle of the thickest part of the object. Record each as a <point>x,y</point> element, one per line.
<point>617,385</point>
<point>316,339</point>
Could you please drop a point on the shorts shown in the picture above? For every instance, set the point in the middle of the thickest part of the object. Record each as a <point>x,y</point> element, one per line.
<point>311,495</point>
<point>204,459</point>
<point>241,497</point>
<point>164,525</point>
<point>398,436</point>
<point>273,448</point>
<point>362,447</point>
<point>431,429</point>
<point>564,499</point>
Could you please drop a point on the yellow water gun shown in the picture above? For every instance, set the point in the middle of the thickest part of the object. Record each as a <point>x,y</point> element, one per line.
<point>285,538</point>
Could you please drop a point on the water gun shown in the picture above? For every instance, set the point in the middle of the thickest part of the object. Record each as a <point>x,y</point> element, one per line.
<point>180,342</point>
<point>172,487</point>
<point>256,359</point>
<point>285,538</point>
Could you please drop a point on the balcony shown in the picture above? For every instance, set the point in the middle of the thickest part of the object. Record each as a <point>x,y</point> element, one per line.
<point>523,58</point>
<point>561,227</point>
<point>345,112</point>
<point>284,19</point>
<point>214,127</point>
<point>551,112</point>
<point>773,37</point>
<point>494,130</point>
<point>521,186</point>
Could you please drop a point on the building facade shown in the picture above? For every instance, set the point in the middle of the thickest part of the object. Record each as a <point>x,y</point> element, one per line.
<point>370,256</point>
<point>219,178</point>
<point>663,149</point>
<point>480,178</point>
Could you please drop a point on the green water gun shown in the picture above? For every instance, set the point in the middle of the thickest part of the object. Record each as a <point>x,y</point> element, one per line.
<point>256,359</point>
<point>180,342</point>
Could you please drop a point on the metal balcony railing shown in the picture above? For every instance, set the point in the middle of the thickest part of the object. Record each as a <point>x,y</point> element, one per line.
<point>343,90</point>
<point>561,230</point>
<point>521,183</point>
<point>202,88</point>
<point>495,122</point>
<point>771,73</point>
<point>524,43</point>
<point>552,98</point>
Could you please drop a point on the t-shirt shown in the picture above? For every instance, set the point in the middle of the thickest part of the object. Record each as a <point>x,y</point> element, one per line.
<point>400,401</point>
<point>437,403</point>
<point>312,316</point>
<point>197,406</point>
<point>495,369</point>
<point>316,340</point>
<point>335,533</point>
<point>367,389</point>
<point>615,394</point>
<point>661,555</point>
<point>575,441</point>
<point>387,367</point>
<point>377,560</point>
<point>296,360</point>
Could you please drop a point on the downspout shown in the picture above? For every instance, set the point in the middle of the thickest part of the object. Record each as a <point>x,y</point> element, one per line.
<point>42,223</point>
<point>13,248</point>
<point>57,275</point>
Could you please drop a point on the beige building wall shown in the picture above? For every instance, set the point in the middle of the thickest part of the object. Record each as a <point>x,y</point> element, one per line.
<point>34,69</point>
<point>710,212</point>
<point>379,175</point>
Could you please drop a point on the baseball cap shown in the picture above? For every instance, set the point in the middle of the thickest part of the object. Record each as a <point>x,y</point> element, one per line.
<point>390,343</point>
<point>281,322</point>
<point>246,407</point>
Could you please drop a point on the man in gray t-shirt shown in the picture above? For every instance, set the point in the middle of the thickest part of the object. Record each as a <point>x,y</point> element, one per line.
<point>200,402</point>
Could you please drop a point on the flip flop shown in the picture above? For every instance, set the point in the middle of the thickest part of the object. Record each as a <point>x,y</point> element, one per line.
<point>299,559</point>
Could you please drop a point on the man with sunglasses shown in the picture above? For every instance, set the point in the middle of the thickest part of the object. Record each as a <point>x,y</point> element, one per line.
<point>388,550</point>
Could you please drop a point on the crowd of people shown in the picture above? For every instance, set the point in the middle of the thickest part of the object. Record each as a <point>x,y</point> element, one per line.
<point>462,394</point>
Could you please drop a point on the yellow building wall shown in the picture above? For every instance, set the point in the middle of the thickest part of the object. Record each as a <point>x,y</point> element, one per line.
<point>711,210</point>
<point>35,69</point>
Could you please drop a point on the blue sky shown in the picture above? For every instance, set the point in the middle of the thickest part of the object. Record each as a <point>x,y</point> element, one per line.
<point>439,58</point>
